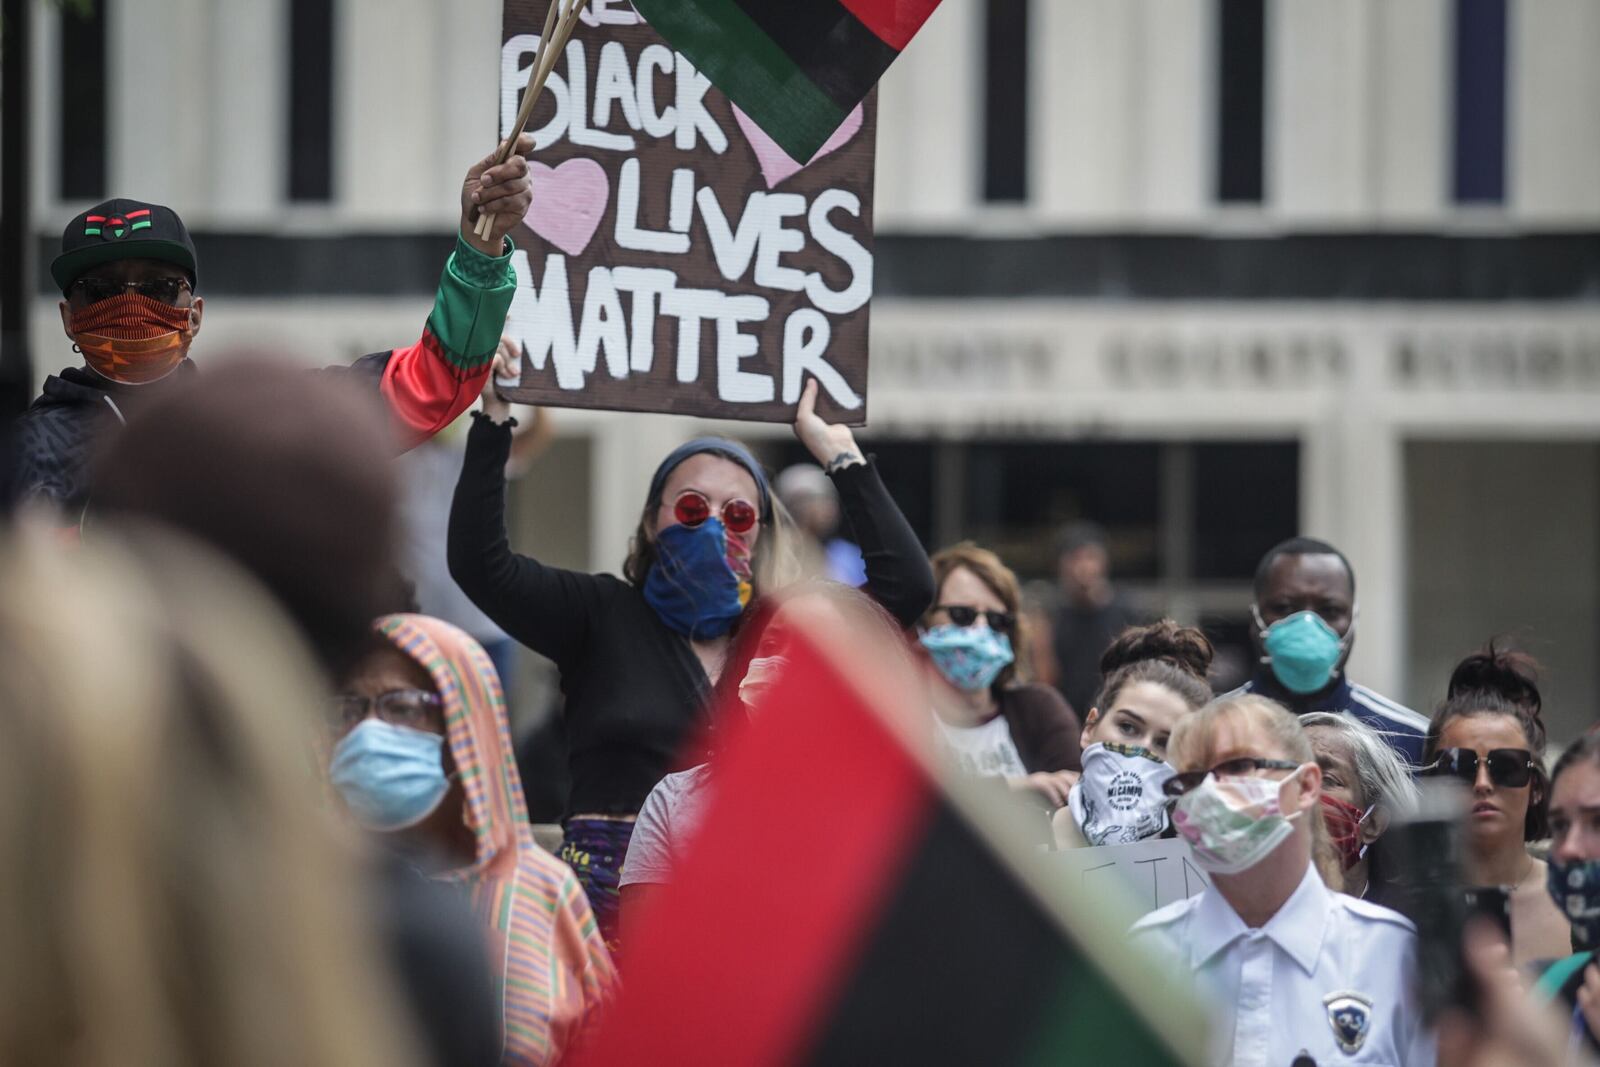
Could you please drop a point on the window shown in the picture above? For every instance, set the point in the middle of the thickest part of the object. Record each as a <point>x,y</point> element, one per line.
<point>1005,101</point>
<point>1480,102</point>
<point>311,46</point>
<point>1241,99</point>
<point>81,129</point>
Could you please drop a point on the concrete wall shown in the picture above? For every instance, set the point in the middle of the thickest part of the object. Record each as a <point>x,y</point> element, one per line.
<point>1505,539</point>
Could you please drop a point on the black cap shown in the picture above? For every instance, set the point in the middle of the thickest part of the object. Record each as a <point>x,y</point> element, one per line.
<point>122,229</point>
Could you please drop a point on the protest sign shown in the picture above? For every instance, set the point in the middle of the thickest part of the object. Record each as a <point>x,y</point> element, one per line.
<point>674,259</point>
<point>1147,875</point>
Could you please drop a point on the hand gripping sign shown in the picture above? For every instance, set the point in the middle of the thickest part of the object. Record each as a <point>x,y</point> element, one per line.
<point>674,258</point>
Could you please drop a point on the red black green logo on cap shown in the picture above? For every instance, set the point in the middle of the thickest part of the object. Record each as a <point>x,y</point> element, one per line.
<point>114,227</point>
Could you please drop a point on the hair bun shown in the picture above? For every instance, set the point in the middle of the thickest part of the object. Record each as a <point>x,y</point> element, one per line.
<point>1511,675</point>
<point>1183,646</point>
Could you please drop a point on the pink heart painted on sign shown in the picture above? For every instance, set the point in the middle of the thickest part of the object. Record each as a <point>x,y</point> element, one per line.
<point>776,165</point>
<point>568,202</point>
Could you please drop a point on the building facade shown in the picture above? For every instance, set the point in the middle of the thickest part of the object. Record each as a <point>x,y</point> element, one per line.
<point>1209,272</point>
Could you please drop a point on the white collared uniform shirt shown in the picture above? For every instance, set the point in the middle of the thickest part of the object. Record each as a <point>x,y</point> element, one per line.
<point>1329,977</point>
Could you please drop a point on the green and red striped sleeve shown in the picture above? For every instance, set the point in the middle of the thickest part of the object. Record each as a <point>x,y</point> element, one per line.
<point>432,382</point>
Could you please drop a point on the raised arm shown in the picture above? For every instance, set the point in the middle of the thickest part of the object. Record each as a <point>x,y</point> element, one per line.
<point>430,383</point>
<point>898,573</point>
<point>546,608</point>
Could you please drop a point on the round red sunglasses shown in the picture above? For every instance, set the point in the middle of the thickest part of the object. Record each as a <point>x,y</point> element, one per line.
<point>693,508</point>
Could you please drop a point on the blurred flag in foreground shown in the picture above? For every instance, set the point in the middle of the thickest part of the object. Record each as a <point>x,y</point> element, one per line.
<point>840,905</point>
<point>797,68</point>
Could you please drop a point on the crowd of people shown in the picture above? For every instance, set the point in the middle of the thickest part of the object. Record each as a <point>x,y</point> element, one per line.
<point>198,562</point>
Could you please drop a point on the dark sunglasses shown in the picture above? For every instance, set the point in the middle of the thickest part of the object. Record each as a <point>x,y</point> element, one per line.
<point>1241,767</point>
<point>966,615</point>
<point>166,290</point>
<point>1508,767</point>
<point>693,508</point>
<point>414,708</point>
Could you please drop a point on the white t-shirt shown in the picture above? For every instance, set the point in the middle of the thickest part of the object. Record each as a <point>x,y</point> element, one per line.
<point>670,816</point>
<point>985,751</point>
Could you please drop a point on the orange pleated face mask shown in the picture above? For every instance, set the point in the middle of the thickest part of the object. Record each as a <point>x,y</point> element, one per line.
<point>131,338</point>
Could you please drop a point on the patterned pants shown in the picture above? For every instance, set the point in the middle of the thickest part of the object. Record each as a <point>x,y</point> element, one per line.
<point>594,849</point>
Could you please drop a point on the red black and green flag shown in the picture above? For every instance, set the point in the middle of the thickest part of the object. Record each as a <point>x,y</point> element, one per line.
<point>838,905</point>
<point>796,67</point>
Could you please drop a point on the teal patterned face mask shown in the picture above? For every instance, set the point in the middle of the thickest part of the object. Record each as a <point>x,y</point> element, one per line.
<point>969,657</point>
<point>1232,824</point>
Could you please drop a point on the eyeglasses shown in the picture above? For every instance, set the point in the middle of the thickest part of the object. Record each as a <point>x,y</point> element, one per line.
<point>1241,767</point>
<point>692,508</point>
<point>967,615</point>
<point>166,290</point>
<point>1508,767</point>
<point>415,708</point>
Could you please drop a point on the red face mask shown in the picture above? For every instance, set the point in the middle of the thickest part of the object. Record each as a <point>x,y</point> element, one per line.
<point>1344,829</point>
<point>131,338</point>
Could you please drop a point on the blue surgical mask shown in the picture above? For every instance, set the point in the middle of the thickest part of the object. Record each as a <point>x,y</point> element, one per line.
<point>391,777</point>
<point>695,585</point>
<point>969,657</point>
<point>1575,887</point>
<point>1302,650</point>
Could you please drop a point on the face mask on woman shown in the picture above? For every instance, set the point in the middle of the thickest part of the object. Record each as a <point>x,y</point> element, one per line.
<point>1118,800</point>
<point>969,657</point>
<point>699,583</point>
<point>1344,829</point>
<point>391,777</point>
<point>1302,650</point>
<point>1232,824</point>
<point>1575,887</point>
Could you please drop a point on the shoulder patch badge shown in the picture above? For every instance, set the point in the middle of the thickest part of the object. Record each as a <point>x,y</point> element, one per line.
<point>1350,1015</point>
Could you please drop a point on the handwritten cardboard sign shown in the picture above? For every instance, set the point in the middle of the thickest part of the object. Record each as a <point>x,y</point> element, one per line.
<point>675,259</point>
<point>1147,875</point>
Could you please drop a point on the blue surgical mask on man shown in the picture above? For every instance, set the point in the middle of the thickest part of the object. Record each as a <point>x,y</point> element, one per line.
<point>1302,650</point>
<point>391,777</point>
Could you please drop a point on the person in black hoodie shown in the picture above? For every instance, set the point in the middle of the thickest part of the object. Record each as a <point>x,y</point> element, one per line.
<point>638,655</point>
<point>128,275</point>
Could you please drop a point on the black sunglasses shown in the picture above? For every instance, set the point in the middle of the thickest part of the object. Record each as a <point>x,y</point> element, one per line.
<point>966,615</point>
<point>1508,767</point>
<point>1240,767</point>
<point>166,290</point>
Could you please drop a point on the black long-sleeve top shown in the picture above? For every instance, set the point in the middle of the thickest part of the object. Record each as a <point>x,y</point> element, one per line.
<point>634,688</point>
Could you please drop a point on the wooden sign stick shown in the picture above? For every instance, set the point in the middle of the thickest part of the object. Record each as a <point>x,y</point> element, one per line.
<point>551,45</point>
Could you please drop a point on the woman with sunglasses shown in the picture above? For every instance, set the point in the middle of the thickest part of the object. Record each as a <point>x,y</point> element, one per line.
<point>1150,677</point>
<point>1298,973</point>
<point>638,655</point>
<point>1488,733</point>
<point>989,718</point>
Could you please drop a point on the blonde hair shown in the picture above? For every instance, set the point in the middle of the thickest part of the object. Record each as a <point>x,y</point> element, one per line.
<point>1193,747</point>
<point>175,892</point>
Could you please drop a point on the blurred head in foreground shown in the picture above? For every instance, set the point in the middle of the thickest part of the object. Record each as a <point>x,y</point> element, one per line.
<point>288,473</point>
<point>175,893</point>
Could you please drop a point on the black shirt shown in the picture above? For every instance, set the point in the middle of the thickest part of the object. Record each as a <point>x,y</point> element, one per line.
<point>634,689</point>
<point>1081,636</point>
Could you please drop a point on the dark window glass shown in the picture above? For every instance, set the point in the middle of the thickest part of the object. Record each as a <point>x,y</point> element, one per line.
<point>1246,499</point>
<point>1019,495</point>
<point>1241,99</point>
<point>311,99</point>
<point>1480,101</point>
<point>1005,101</point>
<point>81,133</point>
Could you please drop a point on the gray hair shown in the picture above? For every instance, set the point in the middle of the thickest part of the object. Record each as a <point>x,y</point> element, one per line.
<point>1385,781</point>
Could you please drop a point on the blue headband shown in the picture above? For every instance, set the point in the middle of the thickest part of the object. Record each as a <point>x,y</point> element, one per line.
<point>723,448</point>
